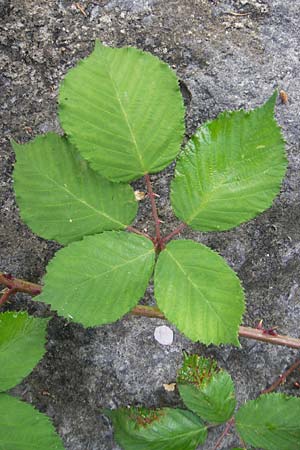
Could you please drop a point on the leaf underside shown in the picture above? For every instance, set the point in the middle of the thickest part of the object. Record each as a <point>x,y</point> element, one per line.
<point>100,278</point>
<point>214,402</point>
<point>61,198</point>
<point>199,292</point>
<point>22,345</point>
<point>270,422</point>
<point>123,110</point>
<point>174,429</point>
<point>24,428</point>
<point>231,170</point>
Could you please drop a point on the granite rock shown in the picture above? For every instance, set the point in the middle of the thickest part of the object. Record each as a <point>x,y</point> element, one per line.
<point>228,54</point>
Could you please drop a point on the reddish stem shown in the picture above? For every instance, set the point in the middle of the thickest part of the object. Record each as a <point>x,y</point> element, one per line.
<point>229,424</point>
<point>154,211</point>
<point>259,335</point>
<point>247,332</point>
<point>147,311</point>
<point>16,285</point>
<point>282,378</point>
<point>141,233</point>
<point>150,311</point>
<point>6,294</point>
<point>177,230</point>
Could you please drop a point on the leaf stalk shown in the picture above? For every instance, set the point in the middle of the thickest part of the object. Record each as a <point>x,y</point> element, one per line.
<point>226,430</point>
<point>141,233</point>
<point>177,230</point>
<point>158,242</point>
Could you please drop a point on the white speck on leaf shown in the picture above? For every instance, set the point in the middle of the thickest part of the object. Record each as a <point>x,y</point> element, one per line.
<point>164,335</point>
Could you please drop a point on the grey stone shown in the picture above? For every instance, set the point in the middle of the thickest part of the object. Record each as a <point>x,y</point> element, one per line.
<point>225,61</point>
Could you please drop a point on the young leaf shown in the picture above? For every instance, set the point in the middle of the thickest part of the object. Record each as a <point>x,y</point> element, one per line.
<point>24,428</point>
<point>206,390</point>
<point>231,170</point>
<point>271,422</point>
<point>162,429</point>
<point>123,110</point>
<point>22,345</point>
<point>61,198</point>
<point>199,292</point>
<point>100,278</point>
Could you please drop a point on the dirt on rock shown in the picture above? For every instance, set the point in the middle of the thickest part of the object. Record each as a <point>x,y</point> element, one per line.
<point>228,54</point>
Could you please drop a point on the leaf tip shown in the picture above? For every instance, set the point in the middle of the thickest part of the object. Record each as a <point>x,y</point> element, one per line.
<point>270,103</point>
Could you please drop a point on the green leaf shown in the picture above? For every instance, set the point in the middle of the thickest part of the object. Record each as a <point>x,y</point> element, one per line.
<point>271,422</point>
<point>231,170</point>
<point>100,278</point>
<point>162,429</point>
<point>22,345</point>
<point>61,198</point>
<point>215,402</point>
<point>123,110</point>
<point>205,389</point>
<point>24,428</point>
<point>199,292</point>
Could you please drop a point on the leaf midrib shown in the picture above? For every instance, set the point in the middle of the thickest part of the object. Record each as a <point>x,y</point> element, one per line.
<point>179,435</point>
<point>113,268</point>
<point>209,305</point>
<point>263,428</point>
<point>98,212</point>
<point>137,150</point>
<point>207,196</point>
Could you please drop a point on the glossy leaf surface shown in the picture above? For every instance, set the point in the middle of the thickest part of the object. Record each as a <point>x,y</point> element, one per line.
<point>100,278</point>
<point>123,110</point>
<point>22,345</point>
<point>199,292</point>
<point>231,170</point>
<point>61,198</point>
<point>270,422</point>
<point>164,429</point>
<point>214,402</point>
<point>22,427</point>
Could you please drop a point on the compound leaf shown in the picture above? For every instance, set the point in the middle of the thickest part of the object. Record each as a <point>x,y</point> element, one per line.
<point>61,198</point>
<point>99,279</point>
<point>22,345</point>
<point>270,422</point>
<point>24,428</point>
<point>123,110</point>
<point>199,292</point>
<point>206,390</point>
<point>162,429</point>
<point>231,170</point>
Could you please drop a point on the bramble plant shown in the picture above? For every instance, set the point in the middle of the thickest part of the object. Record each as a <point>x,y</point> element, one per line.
<point>270,422</point>
<point>123,115</point>
<point>22,341</point>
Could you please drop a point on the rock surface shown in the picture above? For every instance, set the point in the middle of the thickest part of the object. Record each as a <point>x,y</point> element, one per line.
<point>228,54</point>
